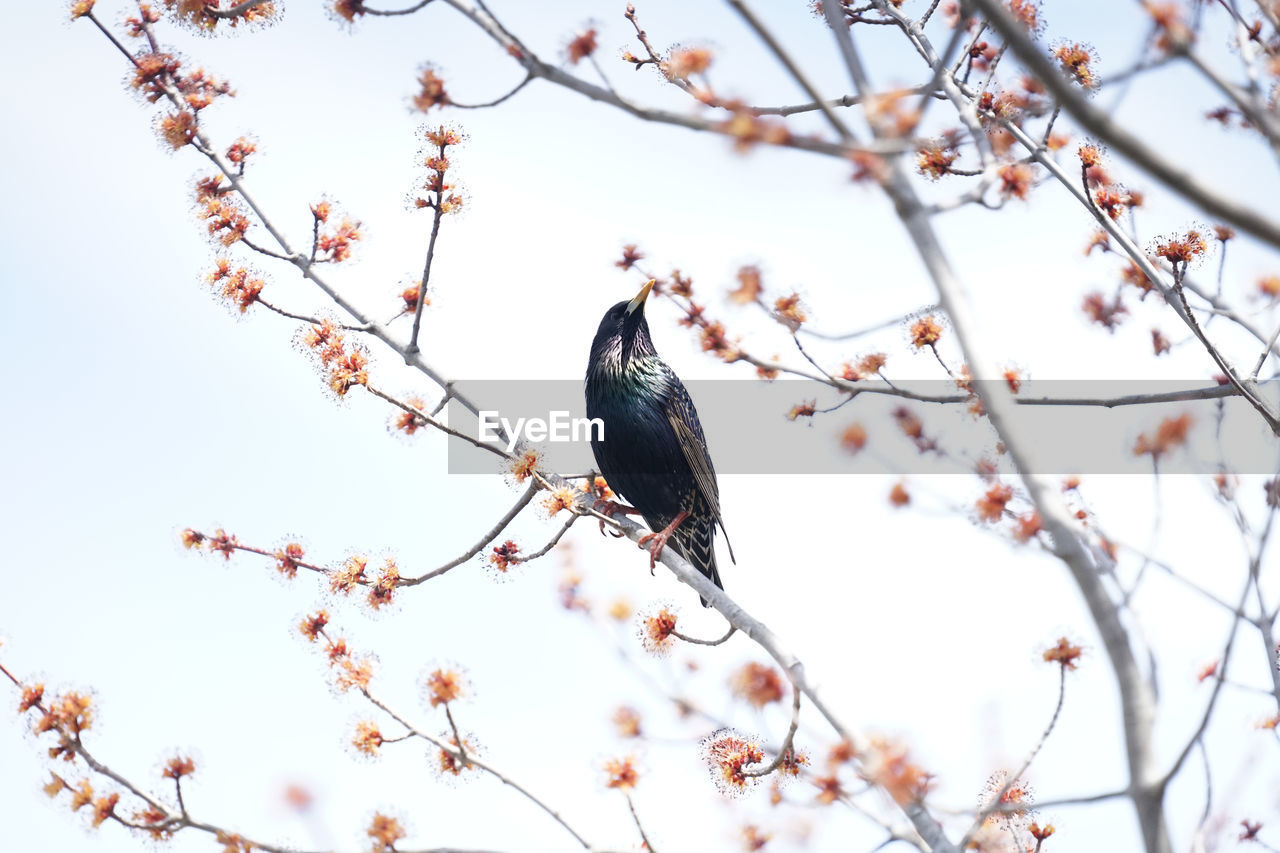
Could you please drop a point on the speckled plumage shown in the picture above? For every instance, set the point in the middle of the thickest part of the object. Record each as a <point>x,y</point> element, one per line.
<point>654,454</point>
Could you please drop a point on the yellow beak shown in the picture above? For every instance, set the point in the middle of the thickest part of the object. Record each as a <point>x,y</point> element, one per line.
<point>640,297</point>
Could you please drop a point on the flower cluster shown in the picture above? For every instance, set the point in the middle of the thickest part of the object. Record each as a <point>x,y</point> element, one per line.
<point>730,756</point>
<point>222,215</point>
<point>238,152</point>
<point>599,487</point>
<point>437,163</point>
<point>349,576</point>
<point>1173,33</point>
<point>409,297</point>
<point>347,366</point>
<point>1077,60</point>
<point>153,72</point>
<point>750,285</point>
<point>581,46</point>
<point>757,684</point>
<point>1104,313</point>
<point>221,542</point>
<point>198,13</point>
<point>913,428</point>
<point>1016,180</point>
<point>83,795</point>
<point>867,366</point>
<point>444,686</point>
<point>627,721</point>
<point>1027,526</point>
<point>631,255</point>
<point>621,773</point>
<point>525,465</point>
<point>431,91</point>
<point>935,159</point>
<point>991,505</point>
<point>925,332</point>
<point>854,438</point>
<point>313,625</point>
<point>367,738</point>
<point>333,240</point>
<point>893,112</point>
<point>685,61</point>
<point>1171,433</point>
<point>1181,250</point>
<point>788,311</point>
<point>352,671</point>
<point>382,591</point>
<point>807,409</point>
<point>559,499</point>
<point>385,832</point>
<point>347,10</point>
<point>178,128</point>
<point>179,767</point>
<point>749,130</point>
<point>452,762</point>
<point>712,335</point>
<point>657,631</point>
<point>1064,653</point>
<point>754,838</point>
<point>237,287</point>
<point>888,766</point>
<point>504,556</point>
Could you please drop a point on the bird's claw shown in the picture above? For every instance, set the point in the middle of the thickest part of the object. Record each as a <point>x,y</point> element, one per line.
<point>609,509</point>
<point>655,550</point>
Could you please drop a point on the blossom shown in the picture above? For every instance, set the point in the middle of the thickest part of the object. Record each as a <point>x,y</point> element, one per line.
<point>367,738</point>
<point>621,773</point>
<point>582,46</point>
<point>657,630</point>
<point>729,756</point>
<point>749,285</point>
<point>444,686</point>
<point>888,765</point>
<point>431,92</point>
<point>925,332</point>
<point>385,832</point>
<point>627,721</point>
<point>758,684</point>
<point>1064,653</point>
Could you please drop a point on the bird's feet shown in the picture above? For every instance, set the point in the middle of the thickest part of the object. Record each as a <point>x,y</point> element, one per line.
<point>609,509</point>
<point>658,541</point>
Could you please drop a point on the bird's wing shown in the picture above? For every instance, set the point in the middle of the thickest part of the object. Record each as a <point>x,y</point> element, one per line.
<point>684,421</point>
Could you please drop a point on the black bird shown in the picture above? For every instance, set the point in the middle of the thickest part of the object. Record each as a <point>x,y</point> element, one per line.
<point>653,452</point>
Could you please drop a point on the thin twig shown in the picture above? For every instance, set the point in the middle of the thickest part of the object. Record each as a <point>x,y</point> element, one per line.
<point>699,642</point>
<point>1100,125</point>
<point>785,752</point>
<point>485,540</point>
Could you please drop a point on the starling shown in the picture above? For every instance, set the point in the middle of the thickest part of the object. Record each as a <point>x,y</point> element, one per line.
<point>652,452</point>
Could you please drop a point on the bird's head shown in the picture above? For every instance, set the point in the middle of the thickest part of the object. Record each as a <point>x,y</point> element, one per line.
<point>623,333</point>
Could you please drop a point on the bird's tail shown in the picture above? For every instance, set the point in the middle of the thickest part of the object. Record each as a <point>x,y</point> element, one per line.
<point>697,544</point>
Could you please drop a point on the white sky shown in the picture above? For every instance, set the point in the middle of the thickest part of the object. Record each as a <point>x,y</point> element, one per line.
<point>136,407</point>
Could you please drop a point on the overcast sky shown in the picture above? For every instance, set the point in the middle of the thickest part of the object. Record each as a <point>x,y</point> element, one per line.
<point>137,405</point>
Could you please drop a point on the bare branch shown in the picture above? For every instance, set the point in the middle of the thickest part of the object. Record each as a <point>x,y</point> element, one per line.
<point>485,540</point>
